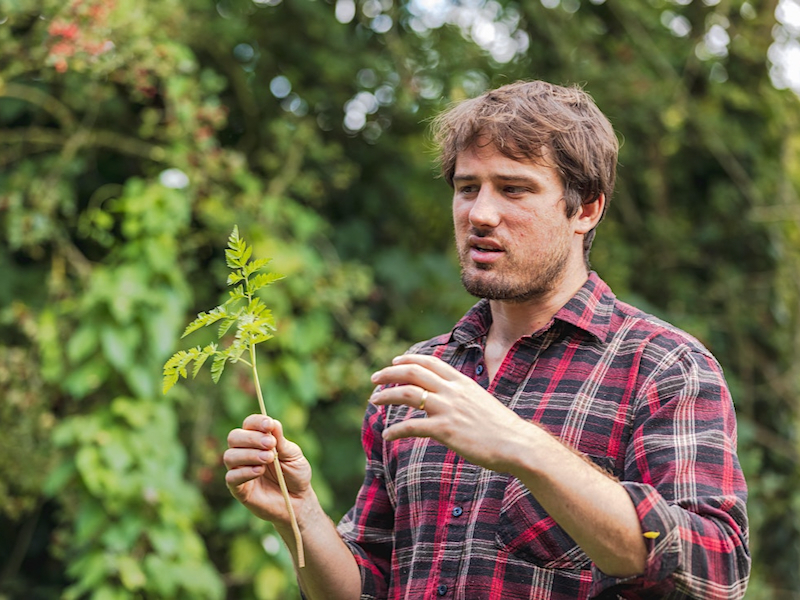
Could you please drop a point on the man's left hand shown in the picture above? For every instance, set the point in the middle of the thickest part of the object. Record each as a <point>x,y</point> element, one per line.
<point>460,413</point>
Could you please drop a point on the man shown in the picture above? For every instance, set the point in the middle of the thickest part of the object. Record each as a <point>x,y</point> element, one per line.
<point>557,443</point>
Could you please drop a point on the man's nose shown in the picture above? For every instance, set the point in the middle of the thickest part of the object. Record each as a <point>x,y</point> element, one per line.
<point>485,211</point>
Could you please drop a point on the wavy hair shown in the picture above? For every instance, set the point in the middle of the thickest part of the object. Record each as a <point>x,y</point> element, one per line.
<point>536,120</point>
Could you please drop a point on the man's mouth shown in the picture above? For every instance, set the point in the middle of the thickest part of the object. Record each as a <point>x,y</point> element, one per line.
<point>484,250</point>
<point>484,244</point>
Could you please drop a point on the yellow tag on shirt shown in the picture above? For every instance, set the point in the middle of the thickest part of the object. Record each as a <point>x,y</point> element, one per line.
<point>651,535</point>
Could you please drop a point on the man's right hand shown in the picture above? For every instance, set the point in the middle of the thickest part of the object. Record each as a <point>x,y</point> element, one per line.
<point>331,571</point>
<point>251,474</point>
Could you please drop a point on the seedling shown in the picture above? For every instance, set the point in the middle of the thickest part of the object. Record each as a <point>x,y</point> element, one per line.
<point>254,324</point>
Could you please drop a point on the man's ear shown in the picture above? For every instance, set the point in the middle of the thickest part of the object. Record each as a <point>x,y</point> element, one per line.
<point>589,214</point>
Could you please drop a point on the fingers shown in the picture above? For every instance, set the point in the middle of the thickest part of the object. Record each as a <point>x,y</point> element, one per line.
<point>237,477</point>
<point>250,449</point>
<point>255,433</point>
<point>259,433</point>
<point>409,428</point>
<point>253,445</point>
<point>235,458</point>
<point>402,374</point>
<point>433,364</point>
<point>258,423</point>
<point>409,395</point>
<point>412,380</point>
<point>426,372</point>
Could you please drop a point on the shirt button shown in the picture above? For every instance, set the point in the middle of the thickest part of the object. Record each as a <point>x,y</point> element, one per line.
<point>441,590</point>
<point>458,511</point>
<point>479,369</point>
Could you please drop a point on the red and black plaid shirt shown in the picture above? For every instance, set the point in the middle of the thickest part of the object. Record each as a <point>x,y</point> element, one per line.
<point>640,398</point>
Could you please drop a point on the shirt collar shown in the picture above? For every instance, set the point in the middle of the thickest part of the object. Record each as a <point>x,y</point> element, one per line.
<point>590,309</point>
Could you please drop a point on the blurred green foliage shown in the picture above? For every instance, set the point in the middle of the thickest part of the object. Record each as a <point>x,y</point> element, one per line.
<point>135,133</point>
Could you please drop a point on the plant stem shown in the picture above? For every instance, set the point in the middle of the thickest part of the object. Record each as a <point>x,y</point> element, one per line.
<point>301,561</point>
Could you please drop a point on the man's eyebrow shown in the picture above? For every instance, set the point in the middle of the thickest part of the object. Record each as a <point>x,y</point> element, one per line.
<point>524,178</point>
<point>500,177</point>
<point>464,177</point>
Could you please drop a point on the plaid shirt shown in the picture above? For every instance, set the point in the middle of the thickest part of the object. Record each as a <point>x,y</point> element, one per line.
<point>640,398</point>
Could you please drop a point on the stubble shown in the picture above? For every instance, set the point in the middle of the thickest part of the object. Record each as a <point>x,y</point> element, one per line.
<point>515,279</point>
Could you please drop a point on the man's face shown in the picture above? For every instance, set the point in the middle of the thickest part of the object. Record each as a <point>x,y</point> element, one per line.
<point>513,237</point>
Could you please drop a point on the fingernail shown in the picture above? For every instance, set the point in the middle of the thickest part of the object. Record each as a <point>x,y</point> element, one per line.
<point>374,377</point>
<point>395,360</point>
<point>263,456</point>
<point>265,424</point>
<point>266,441</point>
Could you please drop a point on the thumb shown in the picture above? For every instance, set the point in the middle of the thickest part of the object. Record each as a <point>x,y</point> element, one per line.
<point>287,450</point>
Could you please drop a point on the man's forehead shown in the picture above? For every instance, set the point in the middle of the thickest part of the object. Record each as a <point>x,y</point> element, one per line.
<point>511,158</point>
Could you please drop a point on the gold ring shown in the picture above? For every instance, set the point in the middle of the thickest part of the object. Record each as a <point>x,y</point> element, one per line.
<point>422,400</point>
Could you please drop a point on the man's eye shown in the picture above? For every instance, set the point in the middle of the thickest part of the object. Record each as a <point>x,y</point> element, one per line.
<point>514,190</point>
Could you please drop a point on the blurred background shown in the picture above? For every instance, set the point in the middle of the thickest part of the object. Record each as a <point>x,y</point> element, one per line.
<point>135,133</point>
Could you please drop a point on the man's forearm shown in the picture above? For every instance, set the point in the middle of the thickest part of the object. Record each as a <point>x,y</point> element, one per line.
<point>331,572</point>
<point>594,509</point>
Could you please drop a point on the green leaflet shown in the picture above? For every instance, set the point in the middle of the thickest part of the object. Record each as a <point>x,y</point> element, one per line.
<point>238,252</point>
<point>217,367</point>
<point>262,280</point>
<point>253,320</point>
<point>205,319</point>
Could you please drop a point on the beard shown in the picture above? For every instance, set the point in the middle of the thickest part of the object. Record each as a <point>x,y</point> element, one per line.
<point>514,281</point>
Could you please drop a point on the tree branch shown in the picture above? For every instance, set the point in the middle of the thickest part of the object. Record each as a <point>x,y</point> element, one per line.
<point>41,99</point>
<point>95,138</point>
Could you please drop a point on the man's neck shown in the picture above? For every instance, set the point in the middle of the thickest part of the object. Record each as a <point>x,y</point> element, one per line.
<point>513,320</point>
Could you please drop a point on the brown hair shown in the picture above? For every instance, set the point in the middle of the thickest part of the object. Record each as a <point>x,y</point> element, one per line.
<point>537,120</point>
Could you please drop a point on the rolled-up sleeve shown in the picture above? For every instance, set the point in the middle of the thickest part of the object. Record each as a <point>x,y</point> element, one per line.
<point>368,528</point>
<point>683,475</point>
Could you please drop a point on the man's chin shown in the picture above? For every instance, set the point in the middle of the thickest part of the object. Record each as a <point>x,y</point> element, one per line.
<point>481,287</point>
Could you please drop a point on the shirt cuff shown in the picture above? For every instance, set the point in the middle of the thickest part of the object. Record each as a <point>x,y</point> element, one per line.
<point>373,582</point>
<point>662,538</point>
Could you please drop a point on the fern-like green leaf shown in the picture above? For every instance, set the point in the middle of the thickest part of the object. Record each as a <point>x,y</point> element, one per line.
<point>233,239</point>
<point>265,323</point>
<point>226,324</point>
<point>237,258</point>
<point>237,293</point>
<point>176,367</point>
<point>256,307</point>
<point>231,259</point>
<point>236,349</point>
<point>202,357</point>
<point>255,265</point>
<point>254,322</point>
<point>218,366</point>
<point>261,336</point>
<point>205,319</point>
<point>170,373</point>
<point>169,382</point>
<point>238,251</point>
<point>262,280</point>
<point>248,251</point>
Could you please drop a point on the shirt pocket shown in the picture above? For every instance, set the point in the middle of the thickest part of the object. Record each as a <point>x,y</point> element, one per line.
<point>528,532</point>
